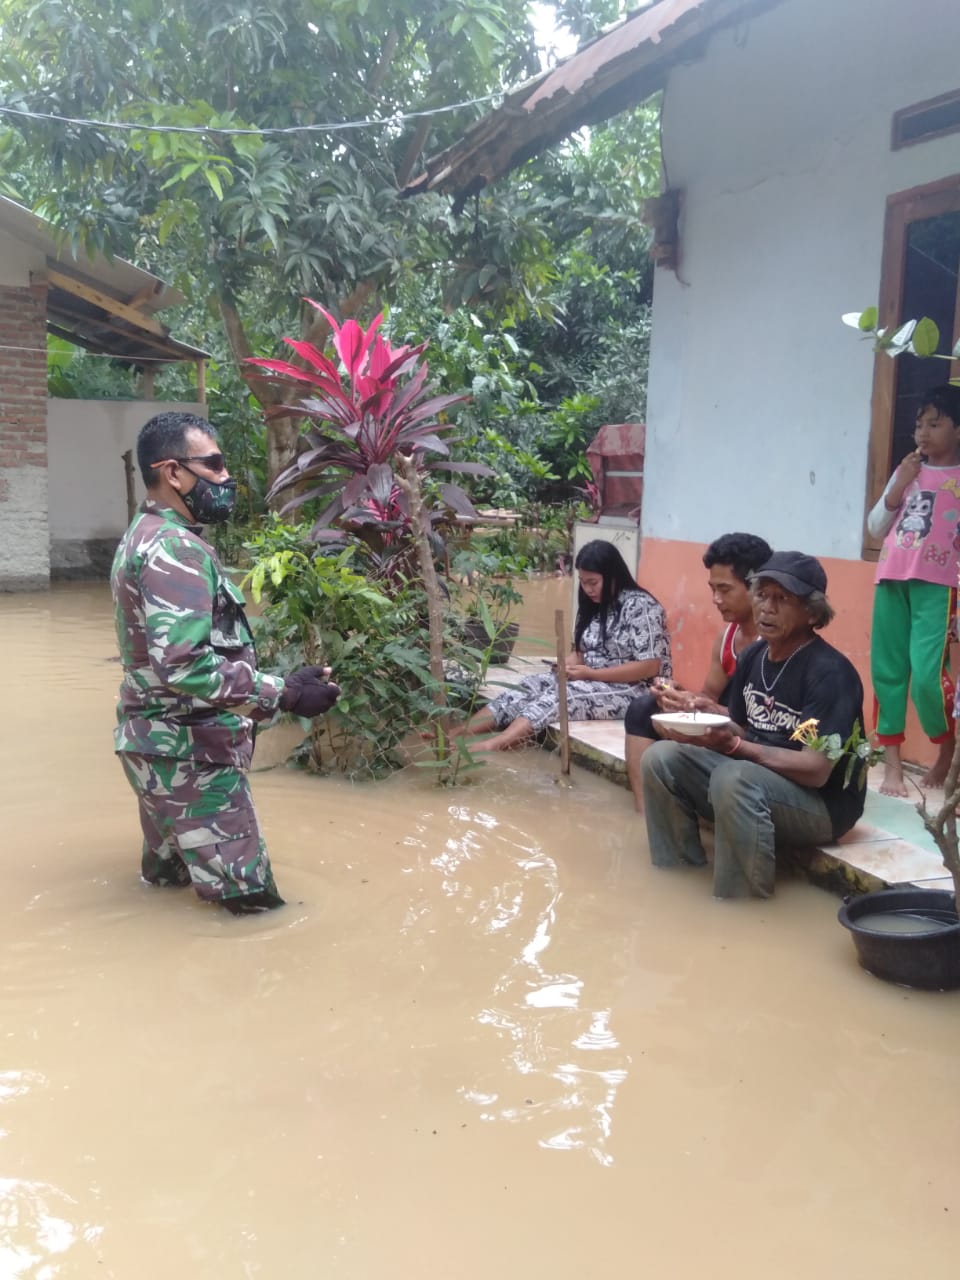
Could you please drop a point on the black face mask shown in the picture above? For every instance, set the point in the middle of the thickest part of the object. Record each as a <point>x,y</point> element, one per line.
<point>209,502</point>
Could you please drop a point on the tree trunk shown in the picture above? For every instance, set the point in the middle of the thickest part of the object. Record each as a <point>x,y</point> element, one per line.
<point>410,482</point>
<point>943,825</point>
<point>283,433</point>
<point>414,150</point>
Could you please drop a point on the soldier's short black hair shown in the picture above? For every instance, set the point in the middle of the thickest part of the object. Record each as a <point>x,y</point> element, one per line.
<point>165,436</point>
<point>743,552</point>
<point>945,399</point>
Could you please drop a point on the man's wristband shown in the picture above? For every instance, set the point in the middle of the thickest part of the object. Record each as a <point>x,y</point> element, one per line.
<point>733,747</point>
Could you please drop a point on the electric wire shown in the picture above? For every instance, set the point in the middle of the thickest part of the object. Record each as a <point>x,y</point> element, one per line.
<point>327,127</point>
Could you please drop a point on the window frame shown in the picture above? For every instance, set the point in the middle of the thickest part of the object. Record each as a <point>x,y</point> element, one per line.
<point>903,207</point>
<point>897,142</point>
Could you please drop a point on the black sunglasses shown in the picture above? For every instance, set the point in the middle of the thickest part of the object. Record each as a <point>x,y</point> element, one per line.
<point>215,461</point>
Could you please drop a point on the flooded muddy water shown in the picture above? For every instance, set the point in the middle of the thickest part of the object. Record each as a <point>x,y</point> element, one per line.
<point>485,1037</point>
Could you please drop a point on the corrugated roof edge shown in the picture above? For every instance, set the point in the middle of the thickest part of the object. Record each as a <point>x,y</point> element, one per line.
<point>118,275</point>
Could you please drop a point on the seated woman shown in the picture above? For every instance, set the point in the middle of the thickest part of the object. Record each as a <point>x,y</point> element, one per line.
<point>620,643</point>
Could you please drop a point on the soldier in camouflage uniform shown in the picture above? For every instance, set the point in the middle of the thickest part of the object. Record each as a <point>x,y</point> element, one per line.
<point>191,691</point>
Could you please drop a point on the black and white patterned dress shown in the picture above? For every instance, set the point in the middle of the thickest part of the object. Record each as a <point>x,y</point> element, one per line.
<point>636,631</point>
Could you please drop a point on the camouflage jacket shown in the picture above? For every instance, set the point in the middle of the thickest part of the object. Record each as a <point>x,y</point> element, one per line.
<point>191,688</point>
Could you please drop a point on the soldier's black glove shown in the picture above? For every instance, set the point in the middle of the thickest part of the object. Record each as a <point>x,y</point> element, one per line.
<point>307,694</point>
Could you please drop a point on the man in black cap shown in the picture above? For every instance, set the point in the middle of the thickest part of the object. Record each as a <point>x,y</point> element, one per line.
<point>757,782</point>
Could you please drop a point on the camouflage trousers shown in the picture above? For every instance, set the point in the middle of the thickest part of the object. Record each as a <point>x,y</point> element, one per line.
<point>199,827</point>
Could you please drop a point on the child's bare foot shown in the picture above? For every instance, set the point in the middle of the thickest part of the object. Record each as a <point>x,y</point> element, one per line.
<point>936,775</point>
<point>892,783</point>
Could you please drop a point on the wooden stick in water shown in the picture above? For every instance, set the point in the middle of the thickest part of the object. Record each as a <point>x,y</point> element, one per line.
<point>561,632</point>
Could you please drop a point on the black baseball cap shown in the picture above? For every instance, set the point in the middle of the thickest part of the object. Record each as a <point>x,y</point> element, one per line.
<point>800,574</point>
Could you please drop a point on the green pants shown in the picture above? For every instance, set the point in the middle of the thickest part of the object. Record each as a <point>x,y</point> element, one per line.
<point>909,648</point>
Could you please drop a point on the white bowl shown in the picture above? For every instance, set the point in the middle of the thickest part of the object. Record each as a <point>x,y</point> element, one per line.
<point>690,723</point>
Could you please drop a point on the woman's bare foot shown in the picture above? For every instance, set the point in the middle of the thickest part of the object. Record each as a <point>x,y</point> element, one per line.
<point>482,722</point>
<point>936,775</point>
<point>514,735</point>
<point>497,743</point>
<point>892,783</point>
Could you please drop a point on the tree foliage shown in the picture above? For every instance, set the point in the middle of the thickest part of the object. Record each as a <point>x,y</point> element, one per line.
<point>538,294</point>
<point>254,220</point>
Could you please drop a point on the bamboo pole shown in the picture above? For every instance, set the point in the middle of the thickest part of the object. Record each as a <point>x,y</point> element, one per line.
<point>560,629</point>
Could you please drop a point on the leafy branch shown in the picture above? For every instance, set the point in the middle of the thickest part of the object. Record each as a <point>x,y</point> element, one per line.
<point>919,338</point>
<point>858,749</point>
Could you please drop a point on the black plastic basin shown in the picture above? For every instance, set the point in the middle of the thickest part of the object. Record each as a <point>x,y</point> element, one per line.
<point>928,958</point>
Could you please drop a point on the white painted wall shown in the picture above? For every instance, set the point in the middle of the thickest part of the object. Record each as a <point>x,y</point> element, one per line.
<point>17,260</point>
<point>85,442</point>
<point>759,398</point>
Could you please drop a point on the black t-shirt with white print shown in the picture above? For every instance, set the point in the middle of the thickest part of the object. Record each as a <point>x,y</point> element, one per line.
<point>770,699</point>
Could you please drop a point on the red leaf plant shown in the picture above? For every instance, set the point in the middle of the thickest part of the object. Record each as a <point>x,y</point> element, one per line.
<point>364,413</point>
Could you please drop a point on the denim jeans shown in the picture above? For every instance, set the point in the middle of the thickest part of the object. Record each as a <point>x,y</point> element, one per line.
<point>752,808</point>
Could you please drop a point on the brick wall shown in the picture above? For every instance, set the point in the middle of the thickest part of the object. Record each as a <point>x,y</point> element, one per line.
<point>24,529</point>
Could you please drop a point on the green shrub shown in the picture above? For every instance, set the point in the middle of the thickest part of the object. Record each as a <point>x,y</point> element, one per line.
<point>322,610</point>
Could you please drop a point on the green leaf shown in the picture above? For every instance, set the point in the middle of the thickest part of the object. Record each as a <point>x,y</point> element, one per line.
<point>268,223</point>
<point>868,320</point>
<point>488,25</point>
<point>255,579</point>
<point>926,337</point>
<point>168,223</point>
<point>848,772</point>
<point>213,182</point>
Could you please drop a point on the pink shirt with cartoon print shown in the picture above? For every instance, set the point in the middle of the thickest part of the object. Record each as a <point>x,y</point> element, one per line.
<point>921,538</point>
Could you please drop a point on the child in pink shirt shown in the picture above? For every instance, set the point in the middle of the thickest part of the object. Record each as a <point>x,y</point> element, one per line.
<point>918,517</point>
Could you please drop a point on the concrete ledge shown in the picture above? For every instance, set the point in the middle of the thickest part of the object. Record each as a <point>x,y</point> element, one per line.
<point>592,755</point>
<point>29,582</point>
<point>830,871</point>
